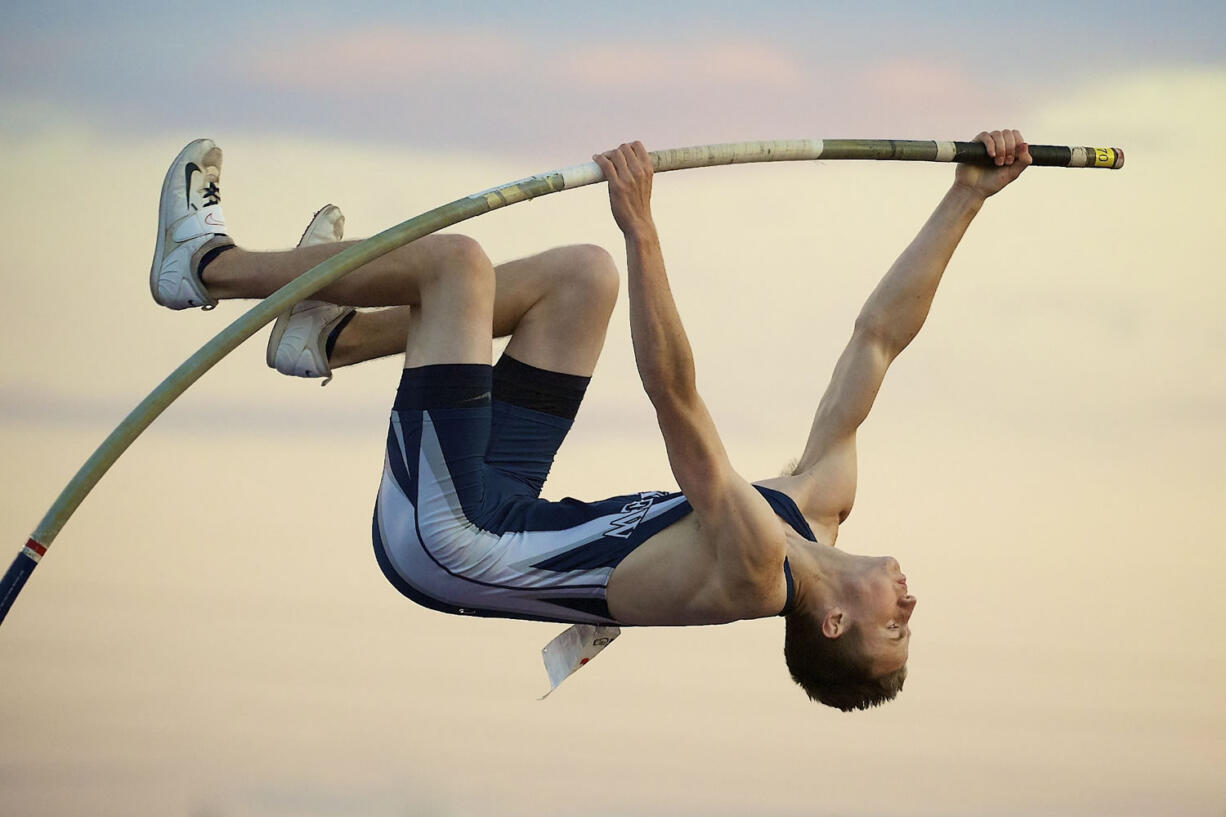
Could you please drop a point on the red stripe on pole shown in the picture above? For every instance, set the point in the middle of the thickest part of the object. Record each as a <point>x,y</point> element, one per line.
<point>37,548</point>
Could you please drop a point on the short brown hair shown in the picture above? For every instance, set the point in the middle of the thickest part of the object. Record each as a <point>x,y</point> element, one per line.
<point>834,671</point>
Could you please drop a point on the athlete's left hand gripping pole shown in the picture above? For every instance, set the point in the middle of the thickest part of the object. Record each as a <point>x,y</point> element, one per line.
<point>439,218</point>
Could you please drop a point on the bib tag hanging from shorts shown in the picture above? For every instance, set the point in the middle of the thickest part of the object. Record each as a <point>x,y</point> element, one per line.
<point>574,647</point>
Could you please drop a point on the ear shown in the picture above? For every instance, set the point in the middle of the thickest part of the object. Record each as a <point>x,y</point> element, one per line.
<point>834,623</point>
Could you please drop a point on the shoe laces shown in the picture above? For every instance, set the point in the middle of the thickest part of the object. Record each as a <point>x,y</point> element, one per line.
<point>212,194</point>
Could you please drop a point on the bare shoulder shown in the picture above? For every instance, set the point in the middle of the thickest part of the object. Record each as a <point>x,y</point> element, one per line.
<point>822,511</point>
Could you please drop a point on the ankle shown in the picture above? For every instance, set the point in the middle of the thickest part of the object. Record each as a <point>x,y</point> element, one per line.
<point>344,341</point>
<point>221,273</point>
<point>370,335</point>
<point>335,334</point>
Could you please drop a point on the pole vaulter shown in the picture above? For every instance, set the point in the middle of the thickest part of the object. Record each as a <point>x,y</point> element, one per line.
<point>455,212</point>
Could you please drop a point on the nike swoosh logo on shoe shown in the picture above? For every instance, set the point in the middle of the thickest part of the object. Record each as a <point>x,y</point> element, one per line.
<point>212,220</point>
<point>191,168</point>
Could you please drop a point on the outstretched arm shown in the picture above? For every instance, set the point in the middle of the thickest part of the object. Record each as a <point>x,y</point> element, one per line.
<point>747,539</point>
<point>887,323</point>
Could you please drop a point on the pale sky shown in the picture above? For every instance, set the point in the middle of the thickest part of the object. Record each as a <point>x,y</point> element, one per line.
<point>210,634</point>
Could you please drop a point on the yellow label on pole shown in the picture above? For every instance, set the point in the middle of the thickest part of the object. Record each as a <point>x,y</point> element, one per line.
<point>1104,157</point>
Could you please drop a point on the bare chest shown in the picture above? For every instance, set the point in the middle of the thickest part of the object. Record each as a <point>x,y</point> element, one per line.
<point>672,580</point>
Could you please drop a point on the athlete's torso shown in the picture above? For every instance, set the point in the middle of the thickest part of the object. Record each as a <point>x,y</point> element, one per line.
<point>530,558</point>
<point>676,578</point>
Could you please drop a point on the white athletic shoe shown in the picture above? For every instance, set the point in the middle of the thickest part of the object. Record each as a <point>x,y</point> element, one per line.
<point>190,225</point>
<point>298,344</point>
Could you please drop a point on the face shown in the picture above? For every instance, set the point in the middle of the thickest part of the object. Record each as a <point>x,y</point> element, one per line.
<point>884,610</point>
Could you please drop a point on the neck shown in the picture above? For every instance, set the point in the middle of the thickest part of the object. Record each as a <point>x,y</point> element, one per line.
<point>817,570</point>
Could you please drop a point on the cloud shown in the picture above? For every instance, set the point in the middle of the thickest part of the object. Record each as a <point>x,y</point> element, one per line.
<point>731,65</point>
<point>401,58</point>
<point>490,88</point>
<point>378,58</point>
<point>910,86</point>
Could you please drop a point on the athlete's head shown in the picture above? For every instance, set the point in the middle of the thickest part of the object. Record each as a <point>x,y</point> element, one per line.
<point>847,642</point>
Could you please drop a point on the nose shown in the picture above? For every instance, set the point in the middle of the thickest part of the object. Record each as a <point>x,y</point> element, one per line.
<point>893,564</point>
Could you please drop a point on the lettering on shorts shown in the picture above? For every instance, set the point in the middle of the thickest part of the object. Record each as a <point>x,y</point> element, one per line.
<point>632,513</point>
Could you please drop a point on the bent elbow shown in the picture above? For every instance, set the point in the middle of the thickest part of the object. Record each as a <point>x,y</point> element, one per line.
<point>876,331</point>
<point>672,396</point>
<point>665,385</point>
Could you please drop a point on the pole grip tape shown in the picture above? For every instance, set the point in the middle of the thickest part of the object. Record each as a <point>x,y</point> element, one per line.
<point>1047,155</point>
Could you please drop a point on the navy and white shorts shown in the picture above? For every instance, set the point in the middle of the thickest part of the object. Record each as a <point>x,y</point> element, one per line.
<point>459,525</point>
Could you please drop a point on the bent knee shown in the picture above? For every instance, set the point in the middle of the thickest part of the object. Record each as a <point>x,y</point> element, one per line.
<point>590,276</point>
<point>457,260</point>
<point>459,252</point>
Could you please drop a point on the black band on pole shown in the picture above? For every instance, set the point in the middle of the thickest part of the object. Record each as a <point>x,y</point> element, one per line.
<point>976,153</point>
<point>14,580</point>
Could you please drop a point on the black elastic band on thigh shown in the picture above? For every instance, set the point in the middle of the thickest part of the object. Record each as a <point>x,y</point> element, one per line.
<point>541,390</point>
<point>444,385</point>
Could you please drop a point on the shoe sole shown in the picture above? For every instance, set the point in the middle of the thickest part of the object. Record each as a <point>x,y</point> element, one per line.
<point>278,328</point>
<point>163,221</point>
<point>274,340</point>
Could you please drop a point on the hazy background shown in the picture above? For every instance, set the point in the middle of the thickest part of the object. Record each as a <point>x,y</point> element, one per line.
<point>210,636</point>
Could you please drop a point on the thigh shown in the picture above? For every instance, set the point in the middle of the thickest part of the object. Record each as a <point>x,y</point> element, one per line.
<point>393,279</point>
<point>523,444</point>
<point>439,431</point>
<point>555,306</point>
<point>521,284</point>
<point>533,410</point>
